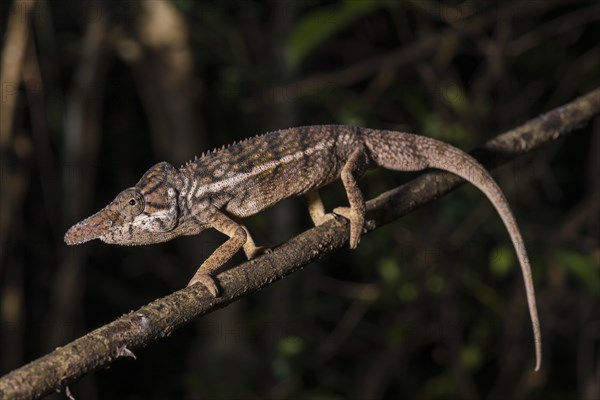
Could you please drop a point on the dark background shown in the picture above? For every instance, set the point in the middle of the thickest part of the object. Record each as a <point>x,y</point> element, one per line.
<point>429,307</point>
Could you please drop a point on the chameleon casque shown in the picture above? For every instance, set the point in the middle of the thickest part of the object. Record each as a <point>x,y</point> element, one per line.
<point>224,186</point>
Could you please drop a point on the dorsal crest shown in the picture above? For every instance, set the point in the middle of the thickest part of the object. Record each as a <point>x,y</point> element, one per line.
<point>216,150</point>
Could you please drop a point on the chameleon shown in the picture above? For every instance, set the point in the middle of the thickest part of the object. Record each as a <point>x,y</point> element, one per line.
<point>220,188</point>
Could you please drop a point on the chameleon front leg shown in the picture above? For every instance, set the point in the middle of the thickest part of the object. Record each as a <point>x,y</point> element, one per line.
<point>351,171</point>
<point>238,238</point>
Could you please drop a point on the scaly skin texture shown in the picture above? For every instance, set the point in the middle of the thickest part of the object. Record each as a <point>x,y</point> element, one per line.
<point>222,187</point>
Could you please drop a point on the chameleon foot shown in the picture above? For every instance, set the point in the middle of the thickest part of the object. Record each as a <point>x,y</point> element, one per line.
<point>206,280</point>
<point>251,249</point>
<point>356,224</point>
<point>324,218</point>
<point>255,251</point>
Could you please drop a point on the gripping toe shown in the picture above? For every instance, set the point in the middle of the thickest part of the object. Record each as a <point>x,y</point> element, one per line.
<point>207,281</point>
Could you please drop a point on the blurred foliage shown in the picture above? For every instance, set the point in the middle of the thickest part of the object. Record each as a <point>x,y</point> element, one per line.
<point>314,28</point>
<point>430,307</point>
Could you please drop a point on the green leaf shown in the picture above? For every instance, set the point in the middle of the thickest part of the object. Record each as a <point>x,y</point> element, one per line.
<point>470,356</point>
<point>291,345</point>
<point>317,26</point>
<point>408,292</point>
<point>502,260</point>
<point>581,267</point>
<point>455,96</point>
<point>389,270</point>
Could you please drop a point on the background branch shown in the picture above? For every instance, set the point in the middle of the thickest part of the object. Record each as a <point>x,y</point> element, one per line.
<point>161,317</point>
<point>406,55</point>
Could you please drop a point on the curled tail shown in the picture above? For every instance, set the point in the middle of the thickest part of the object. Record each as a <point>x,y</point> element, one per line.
<point>407,152</point>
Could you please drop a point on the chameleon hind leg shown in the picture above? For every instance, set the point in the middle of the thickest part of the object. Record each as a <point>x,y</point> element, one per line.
<point>351,171</point>
<point>316,209</point>
<point>250,248</point>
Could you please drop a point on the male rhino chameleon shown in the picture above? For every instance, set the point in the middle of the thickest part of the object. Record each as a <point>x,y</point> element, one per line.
<point>221,187</point>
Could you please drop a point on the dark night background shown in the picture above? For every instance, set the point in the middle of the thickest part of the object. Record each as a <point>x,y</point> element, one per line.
<point>429,307</point>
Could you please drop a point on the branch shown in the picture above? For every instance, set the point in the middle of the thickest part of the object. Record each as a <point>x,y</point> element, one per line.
<point>158,319</point>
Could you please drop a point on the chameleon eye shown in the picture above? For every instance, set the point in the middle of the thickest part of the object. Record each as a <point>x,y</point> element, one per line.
<point>133,203</point>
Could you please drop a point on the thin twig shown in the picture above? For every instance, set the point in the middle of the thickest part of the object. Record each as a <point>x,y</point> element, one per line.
<point>161,317</point>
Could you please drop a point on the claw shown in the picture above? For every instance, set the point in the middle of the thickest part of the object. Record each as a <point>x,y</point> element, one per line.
<point>208,282</point>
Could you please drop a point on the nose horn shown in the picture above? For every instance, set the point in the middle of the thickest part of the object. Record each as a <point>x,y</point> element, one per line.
<point>90,228</point>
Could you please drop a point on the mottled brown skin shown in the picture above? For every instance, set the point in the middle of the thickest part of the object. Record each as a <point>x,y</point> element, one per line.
<point>222,187</point>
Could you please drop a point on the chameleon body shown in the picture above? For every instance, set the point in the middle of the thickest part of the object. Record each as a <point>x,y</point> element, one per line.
<point>222,187</point>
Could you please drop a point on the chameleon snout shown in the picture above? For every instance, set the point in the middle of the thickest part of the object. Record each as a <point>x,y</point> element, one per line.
<point>89,229</point>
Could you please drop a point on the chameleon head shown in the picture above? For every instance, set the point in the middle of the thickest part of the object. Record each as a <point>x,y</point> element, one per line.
<point>138,215</point>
